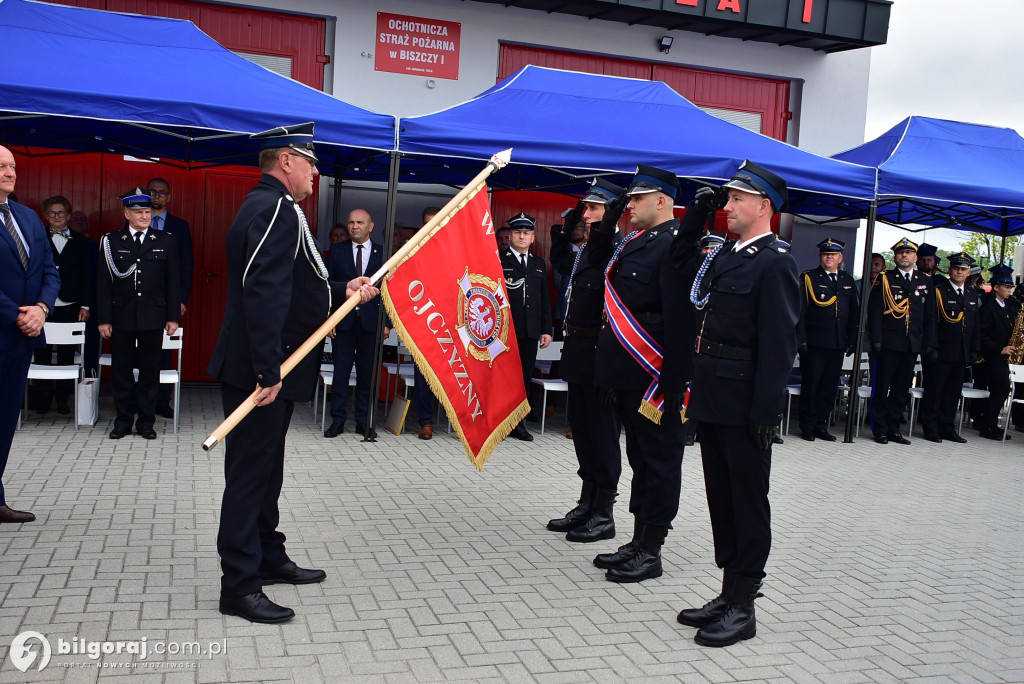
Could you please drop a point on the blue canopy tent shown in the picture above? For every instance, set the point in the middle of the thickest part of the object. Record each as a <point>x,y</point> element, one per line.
<point>82,83</point>
<point>566,126</point>
<point>947,174</point>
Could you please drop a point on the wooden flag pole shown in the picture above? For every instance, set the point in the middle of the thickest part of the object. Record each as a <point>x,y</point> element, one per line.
<point>496,162</point>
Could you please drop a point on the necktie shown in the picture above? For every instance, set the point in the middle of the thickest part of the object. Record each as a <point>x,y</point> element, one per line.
<point>138,240</point>
<point>158,222</point>
<point>9,222</point>
<point>66,232</point>
<point>834,281</point>
<point>359,259</point>
<point>522,258</point>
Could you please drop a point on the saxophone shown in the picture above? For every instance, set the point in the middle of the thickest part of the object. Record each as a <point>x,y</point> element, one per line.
<point>1017,338</point>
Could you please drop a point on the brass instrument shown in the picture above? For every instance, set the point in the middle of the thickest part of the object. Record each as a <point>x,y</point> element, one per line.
<point>1017,337</point>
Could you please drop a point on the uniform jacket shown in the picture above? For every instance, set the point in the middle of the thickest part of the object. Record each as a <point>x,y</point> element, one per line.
<point>341,264</point>
<point>20,288</point>
<point>956,340</point>
<point>586,301</point>
<point>895,334</point>
<point>276,299</point>
<point>833,326</point>
<point>75,264</point>
<point>655,293</point>
<point>146,299</point>
<point>996,324</point>
<point>527,295</point>
<point>178,227</point>
<point>753,305</point>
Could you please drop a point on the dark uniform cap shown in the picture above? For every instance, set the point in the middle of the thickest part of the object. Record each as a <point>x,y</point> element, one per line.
<point>602,192</point>
<point>926,250</point>
<point>1001,275</point>
<point>136,199</point>
<point>712,237</point>
<point>830,246</point>
<point>904,245</point>
<point>650,179</point>
<point>298,137</point>
<point>522,221</point>
<point>756,179</point>
<point>961,259</point>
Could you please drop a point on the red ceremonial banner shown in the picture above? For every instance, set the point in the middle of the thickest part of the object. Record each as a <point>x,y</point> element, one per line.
<point>448,303</point>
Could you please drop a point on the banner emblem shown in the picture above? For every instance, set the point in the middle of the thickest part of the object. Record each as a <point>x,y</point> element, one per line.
<point>483,317</point>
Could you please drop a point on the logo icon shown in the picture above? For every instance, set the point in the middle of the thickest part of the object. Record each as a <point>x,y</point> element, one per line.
<point>483,317</point>
<point>24,651</point>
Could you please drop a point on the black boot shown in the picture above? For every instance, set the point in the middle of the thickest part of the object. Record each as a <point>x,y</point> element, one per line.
<point>646,562</point>
<point>600,524</point>
<point>712,610</point>
<point>737,622</point>
<point>624,552</point>
<point>578,514</point>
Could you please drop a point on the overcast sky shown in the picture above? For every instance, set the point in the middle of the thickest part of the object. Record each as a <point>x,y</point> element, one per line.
<point>949,59</point>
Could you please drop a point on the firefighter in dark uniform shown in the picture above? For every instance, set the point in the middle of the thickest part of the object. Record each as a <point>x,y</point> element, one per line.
<point>594,425</point>
<point>644,352</point>
<point>959,343</point>
<point>748,294</point>
<point>901,323</point>
<point>136,301</point>
<point>928,261</point>
<point>278,295</point>
<point>526,279</point>
<point>997,319</point>
<point>829,315</point>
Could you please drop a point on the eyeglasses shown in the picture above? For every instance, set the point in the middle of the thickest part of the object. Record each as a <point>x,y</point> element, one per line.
<point>55,214</point>
<point>152,192</point>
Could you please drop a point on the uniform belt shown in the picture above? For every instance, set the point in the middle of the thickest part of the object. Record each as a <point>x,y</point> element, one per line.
<point>581,332</point>
<point>724,351</point>
<point>648,317</point>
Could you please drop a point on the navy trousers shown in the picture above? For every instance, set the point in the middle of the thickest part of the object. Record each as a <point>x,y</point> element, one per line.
<point>595,437</point>
<point>352,347</point>
<point>248,540</point>
<point>655,453</point>
<point>14,364</point>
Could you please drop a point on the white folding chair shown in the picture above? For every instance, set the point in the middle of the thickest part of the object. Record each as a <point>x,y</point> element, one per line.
<point>327,378</point>
<point>172,376</point>
<point>967,394</point>
<point>1016,375</point>
<point>325,367</point>
<point>545,357</point>
<point>916,394</point>
<point>61,334</point>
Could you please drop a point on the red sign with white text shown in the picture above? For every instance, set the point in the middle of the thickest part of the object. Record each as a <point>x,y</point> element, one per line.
<point>419,46</point>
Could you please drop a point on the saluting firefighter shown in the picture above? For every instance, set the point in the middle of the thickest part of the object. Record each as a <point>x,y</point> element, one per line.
<point>595,427</point>
<point>136,301</point>
<point>997,320</point>
<point>829,316</point>
<point>526,279</point>
<point>958,344</point>
<point>644,352</point>
<point>278,295</point>
<point>748,294</point>
<point>901,323</point>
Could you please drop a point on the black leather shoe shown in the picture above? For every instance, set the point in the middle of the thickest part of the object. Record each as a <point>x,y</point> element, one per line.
<point>953,437</point>
<point>689,440</point>
<point>290,573</point>
<point>146,433</point>
<point>9,515</point>
<point>993,434</point>
<point>334,430</point>
<point>63,408</point>
<point>807,436</point>
<point>824,434</point>
<point>255,608</point>
<point>522,434</point>
<point>933,437</point>
<point>881,439</point>
<point>165,411</point>
<point>897,438</point>
<point>361,430</point>
<point>118,432</point>
<point>712,610</point>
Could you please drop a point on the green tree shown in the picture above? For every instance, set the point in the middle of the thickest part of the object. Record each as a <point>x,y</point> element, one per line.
<point>986,248</point>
